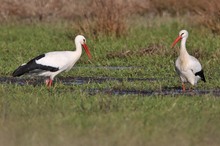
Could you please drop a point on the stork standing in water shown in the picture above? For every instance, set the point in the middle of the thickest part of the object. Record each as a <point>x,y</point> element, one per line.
<point>187,66</point>
<point>52,63</point>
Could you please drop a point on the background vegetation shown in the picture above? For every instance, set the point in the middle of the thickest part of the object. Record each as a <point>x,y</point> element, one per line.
<point>110,15</point>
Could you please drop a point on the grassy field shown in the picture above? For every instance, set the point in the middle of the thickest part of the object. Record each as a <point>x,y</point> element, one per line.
<point>69,115</point>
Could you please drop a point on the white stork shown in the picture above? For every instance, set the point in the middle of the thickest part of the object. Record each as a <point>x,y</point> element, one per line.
<point>52,63</point>
<point>188,67</point>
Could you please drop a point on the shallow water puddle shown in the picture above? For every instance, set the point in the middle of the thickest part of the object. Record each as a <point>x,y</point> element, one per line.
<point>82,80</point>
<point>85,80</point>
<point>151,92</point>
<point>71,80</point>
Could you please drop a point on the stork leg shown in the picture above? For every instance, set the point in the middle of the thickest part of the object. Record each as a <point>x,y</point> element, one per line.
<point>183,87</point>
<point>49,82</point>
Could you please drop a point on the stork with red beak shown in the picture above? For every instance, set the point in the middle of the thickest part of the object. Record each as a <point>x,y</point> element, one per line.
<point>188,67</point>
<point>52,63</point>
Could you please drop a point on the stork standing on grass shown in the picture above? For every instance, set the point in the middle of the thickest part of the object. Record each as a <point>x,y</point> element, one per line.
<point>52,63</point>
<point>187,66</point>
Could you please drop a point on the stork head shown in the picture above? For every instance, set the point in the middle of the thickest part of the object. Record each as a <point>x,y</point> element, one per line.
<point>182,34</point>
<point>82,40</point>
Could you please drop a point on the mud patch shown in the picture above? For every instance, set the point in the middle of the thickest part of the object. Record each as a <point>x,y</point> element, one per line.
<point>70,80</point>
<point>22,81</point>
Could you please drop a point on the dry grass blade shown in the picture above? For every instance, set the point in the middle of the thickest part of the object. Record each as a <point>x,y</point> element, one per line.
<point>152,49</point>
<point>105,17</point>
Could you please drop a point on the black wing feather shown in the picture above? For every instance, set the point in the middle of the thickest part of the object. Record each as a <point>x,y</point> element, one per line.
<point>201,74</point>
<point>31,66</point>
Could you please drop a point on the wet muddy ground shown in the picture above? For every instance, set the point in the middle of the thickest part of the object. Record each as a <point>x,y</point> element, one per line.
<point>83,80</point>
<point>70,80</point>
<point>173,92</point>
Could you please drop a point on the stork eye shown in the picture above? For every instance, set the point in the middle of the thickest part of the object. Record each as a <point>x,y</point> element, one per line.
<point>84,40</point>
<point>182,34</point>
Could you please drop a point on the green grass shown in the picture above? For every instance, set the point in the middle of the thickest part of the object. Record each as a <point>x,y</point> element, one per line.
<point>68,115</point>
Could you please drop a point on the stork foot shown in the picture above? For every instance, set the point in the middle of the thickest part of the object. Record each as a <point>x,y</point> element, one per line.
<point>48,82</point>
<point>183,87</point>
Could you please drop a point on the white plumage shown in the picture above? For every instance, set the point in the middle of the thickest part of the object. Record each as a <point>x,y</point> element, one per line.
<point>187,66</point>
<point>52,63</point>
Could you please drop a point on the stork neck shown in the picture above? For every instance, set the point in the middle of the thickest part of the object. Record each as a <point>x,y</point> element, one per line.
<point>78,48</point>
<point>183,50</point>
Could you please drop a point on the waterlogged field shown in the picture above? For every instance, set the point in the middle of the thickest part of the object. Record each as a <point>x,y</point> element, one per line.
<point>96,103</point>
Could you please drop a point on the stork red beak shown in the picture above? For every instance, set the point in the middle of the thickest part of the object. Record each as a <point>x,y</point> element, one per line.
<point>87,50</point>
<point>176,40</point>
